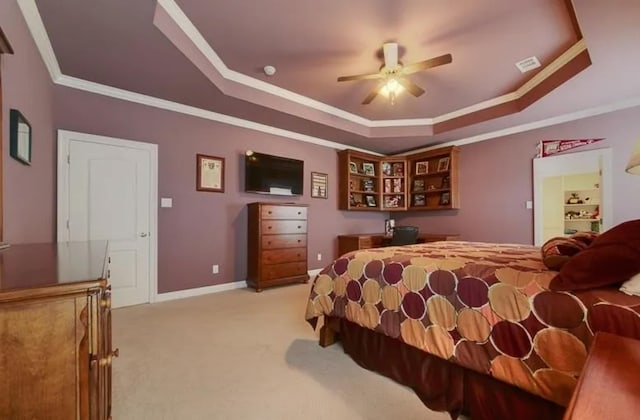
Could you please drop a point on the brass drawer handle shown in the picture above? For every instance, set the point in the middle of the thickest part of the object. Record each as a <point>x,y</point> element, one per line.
<point>106,361</point>
<point>105,302</point>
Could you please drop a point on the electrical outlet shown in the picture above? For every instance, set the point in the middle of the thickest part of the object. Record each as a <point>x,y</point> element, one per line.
<point>215,269</point>
<point>319,257</point>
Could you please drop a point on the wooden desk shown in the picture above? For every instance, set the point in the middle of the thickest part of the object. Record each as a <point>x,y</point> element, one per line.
<point>356,241</point>
<point>608,386</point>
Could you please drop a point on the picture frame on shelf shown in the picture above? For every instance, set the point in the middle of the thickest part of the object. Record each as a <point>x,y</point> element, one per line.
<point>419,200</point>
<point>397,185</point>
<point>387,185</point>
<point>209,173</point>
<point>386,168</point>
<point>446,184</point>
<point>443,164</point>
<point>371,201</point>
<point>319,185</point>
<point>418,185</point>
<point>398,169</point>
<point>368,168</point>
<point>422,168</point>
<point>445,199</point>
<point>353,168</point>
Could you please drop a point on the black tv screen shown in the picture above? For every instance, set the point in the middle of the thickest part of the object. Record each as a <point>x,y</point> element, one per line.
<point>270,174</point>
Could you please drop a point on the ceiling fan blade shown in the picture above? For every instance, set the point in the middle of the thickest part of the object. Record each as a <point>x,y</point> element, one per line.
<point>414,89</point>
<point>359,77</point>
<point>427,64</point>
<point>390,50</point>
<point>373,93</point>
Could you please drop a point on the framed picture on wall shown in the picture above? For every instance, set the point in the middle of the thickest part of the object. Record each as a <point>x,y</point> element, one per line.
<point>319,184</point>
<point>209,173</point>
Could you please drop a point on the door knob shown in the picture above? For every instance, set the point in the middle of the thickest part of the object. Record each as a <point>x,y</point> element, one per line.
<point>143,235</point>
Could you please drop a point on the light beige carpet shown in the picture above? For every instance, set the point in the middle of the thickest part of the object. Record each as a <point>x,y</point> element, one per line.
<point>243,355</point>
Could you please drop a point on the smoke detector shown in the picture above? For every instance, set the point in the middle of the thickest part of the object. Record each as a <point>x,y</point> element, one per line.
<point>528,64</point>
<point>269,70</point>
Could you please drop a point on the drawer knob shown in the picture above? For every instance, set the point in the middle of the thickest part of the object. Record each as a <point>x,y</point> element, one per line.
<point>105,302</point>
<point>299,241</point>
<point>106,361</point>
<point>269,243</point>
<point>269,211</point>
<point>299,212</point>
<point>299,227</point>
<point>268,227</point>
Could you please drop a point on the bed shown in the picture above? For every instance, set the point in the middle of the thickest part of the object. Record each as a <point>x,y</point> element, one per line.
<point>472,327</point>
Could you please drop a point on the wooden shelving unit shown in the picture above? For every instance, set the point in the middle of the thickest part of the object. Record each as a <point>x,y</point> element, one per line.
<point>422,181</point>
<point>359,181</point>
<point>433,180</point>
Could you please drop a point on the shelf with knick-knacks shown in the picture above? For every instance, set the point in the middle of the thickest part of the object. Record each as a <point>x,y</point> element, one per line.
<point>422,181</point>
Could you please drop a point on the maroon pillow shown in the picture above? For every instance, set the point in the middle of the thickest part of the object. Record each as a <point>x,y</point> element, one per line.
<point>612,258</point>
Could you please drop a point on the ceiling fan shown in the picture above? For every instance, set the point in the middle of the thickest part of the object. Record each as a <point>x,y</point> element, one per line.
<point>393,74</point>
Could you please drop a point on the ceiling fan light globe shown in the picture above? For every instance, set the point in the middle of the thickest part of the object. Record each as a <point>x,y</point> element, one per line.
<point>391,87</point>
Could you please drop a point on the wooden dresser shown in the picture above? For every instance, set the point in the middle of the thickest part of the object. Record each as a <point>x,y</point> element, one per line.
<point>55,332</point>
<point>277,241</point>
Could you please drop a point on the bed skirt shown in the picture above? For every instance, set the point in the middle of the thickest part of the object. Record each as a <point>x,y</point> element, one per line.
<point>441,385</point>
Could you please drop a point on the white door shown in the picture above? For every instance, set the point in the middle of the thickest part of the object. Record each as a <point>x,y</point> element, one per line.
<point>550,174</point>
<point>106,191</point>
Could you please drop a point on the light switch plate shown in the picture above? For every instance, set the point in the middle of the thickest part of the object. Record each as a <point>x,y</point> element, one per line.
<point>528,204</point>
<point>166,202</point>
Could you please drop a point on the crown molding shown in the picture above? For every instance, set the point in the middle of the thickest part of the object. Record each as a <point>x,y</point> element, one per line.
<point>151,101</point>
<point>43,43</point>
<point>39,34</point>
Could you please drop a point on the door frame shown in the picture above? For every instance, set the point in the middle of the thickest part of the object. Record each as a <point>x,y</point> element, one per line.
<point>563,165</point>
<point>64,139</point>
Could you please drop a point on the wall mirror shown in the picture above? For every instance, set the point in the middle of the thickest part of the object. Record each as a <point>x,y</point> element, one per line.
<point>19,137</point>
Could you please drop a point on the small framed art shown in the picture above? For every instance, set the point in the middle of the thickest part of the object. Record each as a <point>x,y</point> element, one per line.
<point>422,168</point>
<point>353,168</point>
<point>445,199</point>
<point>319,183</point>
<point>368,168</point>
<point>443,164</point>
<point>209,173</point>
<point>19,137</point>
<point>371,201</point>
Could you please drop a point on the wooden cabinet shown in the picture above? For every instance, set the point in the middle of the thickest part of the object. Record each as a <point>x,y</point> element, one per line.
<point>433,180</point>
<point>393,187</point>
<point>55,332</point>
<point>608,384</point>
<point>359,187</point>
<point>422,181</point>
<point>277,241</point>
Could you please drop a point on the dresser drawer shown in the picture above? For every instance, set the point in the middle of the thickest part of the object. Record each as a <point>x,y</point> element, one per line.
<point>283,241</point>
<point>276,271</point>
<point>283,226</point>
<point>284,212</point>
<point>278,256</point>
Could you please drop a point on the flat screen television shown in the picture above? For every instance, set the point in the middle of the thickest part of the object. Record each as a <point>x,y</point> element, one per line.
<point>268,174</point>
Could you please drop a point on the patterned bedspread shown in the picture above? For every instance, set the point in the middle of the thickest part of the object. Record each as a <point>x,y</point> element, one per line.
<point>483,306</point>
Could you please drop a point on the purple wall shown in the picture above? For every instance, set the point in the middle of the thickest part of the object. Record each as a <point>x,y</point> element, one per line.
<point>202,229</point>
<point>29,200</point>
<point>496,178</point>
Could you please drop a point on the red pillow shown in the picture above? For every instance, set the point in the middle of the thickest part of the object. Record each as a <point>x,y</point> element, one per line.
<point>612,258</point>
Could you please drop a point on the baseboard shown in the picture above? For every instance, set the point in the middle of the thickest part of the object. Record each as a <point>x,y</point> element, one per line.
<point>198,291</point>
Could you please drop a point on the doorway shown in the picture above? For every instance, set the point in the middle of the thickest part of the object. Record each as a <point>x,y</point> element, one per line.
<point>107,190</point>
<point>572,192</point>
